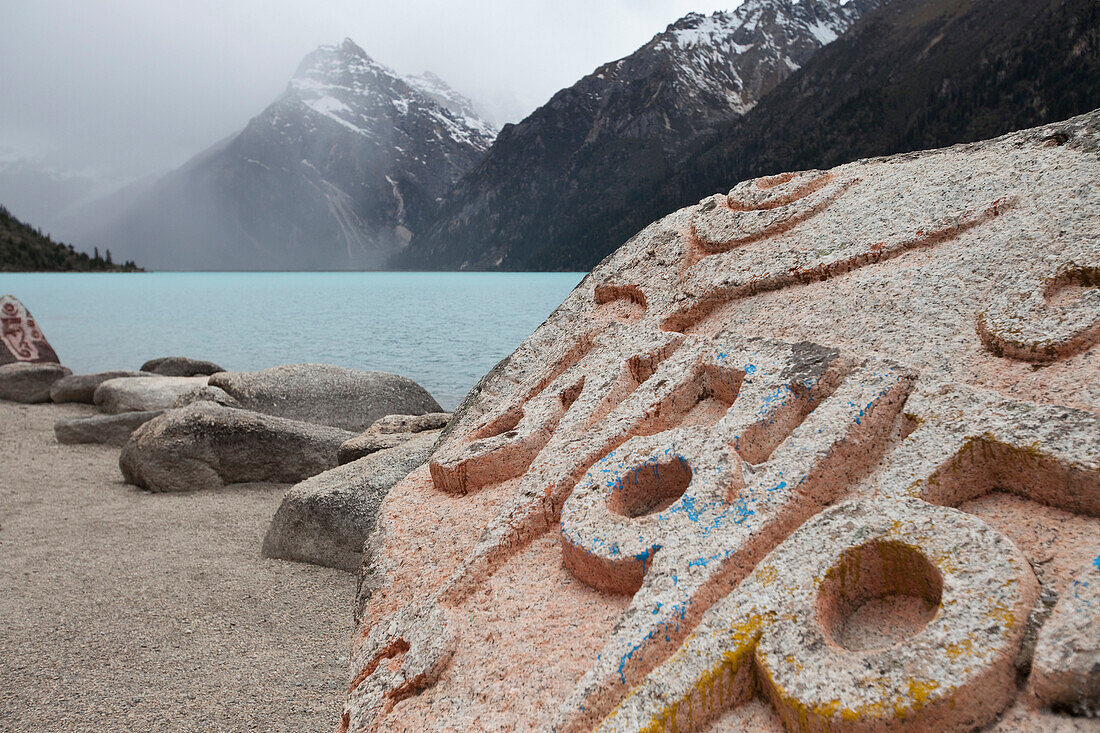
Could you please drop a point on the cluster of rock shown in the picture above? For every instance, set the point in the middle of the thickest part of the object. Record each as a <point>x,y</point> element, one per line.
<point>189,425</point>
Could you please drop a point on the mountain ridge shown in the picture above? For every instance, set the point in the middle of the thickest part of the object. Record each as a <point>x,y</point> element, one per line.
<point>618,130</point>
<point>921,74</point>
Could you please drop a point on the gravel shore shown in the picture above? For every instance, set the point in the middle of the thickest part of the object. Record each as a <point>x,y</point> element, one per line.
<point>122,610</point>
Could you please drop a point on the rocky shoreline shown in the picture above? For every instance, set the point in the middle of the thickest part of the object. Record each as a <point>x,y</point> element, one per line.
<point>147,526</point>
<point>187,425</point>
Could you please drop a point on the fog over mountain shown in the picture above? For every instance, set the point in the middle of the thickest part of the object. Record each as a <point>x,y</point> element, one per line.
<point>96,95</point>
<point>336,173</point>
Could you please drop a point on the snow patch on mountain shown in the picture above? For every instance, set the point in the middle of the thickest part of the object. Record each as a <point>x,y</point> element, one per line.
<point>710,50</point>
<point>344,84</point>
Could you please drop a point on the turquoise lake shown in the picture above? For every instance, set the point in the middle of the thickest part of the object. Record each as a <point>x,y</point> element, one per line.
<point>445,330</point>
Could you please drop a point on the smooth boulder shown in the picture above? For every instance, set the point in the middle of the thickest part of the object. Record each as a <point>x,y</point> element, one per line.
<point>206,446</point>
<point>389,432</point>
<point>105,429</point>
<point>23,381</point>
<point>326,519</point>
<point>180,366</point>
<point>136,394</point>
<point>82,387</point>
<point>326,394</point>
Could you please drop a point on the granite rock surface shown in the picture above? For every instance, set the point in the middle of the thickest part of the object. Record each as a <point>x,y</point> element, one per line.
<point>390,432</point>
<point>326,519</point>
<point>205,393</point>
<point>82,387</point>
<point>137,394</point>
<point>811,454</point>
<point>25,381</point>
<point>106,429</point>
<point>180,366</point>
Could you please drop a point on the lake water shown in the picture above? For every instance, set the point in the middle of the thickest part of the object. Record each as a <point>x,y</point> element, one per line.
<point>445,330</point>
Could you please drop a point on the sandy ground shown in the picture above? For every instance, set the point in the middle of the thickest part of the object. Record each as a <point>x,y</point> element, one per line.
<point>122,610</point>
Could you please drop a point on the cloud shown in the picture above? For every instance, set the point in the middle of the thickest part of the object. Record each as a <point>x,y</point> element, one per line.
<point>131,87</point>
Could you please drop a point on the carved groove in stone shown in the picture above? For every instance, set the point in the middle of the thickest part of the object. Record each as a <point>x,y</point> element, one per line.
<point>1032,319</point>
<point>843,260</point>
<point>749,217</point>
<point>953,674</point>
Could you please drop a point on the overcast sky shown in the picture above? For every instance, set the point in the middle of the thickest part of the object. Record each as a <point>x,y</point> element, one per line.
<point>131,87</point>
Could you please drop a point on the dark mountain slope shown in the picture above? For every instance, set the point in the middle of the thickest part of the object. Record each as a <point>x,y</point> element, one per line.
<point>919,74</point>
<point>588,154</point>
<point>26,249</point>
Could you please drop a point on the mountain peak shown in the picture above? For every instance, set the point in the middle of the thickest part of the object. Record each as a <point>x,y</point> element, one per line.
<point>350,46</point>
<point>336,173</point>
<point>333,61</point>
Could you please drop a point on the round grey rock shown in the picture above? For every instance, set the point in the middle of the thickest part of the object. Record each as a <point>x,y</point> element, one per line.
<point>180,366</point>
<point>389,432</point>
<point>105,429</point>
<point>206,446</point>
<point>206,393</point>
<point>410,423</point>
<point>82,387</point>
<point>326,394</point>
<point>136,394</point>
<point>326,519</point>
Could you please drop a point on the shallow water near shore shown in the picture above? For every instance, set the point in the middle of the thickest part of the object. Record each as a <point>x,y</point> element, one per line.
<point>445,330</point>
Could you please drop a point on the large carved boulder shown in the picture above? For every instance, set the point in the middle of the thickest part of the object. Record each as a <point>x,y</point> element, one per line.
<point>137,394</point>
<point>807,455</point>
<point>82,387</point>
<point>24,381</point>
<point>20,337</point>
<point>326,394</point>
<point>326,519</point>
<point>206,446</point>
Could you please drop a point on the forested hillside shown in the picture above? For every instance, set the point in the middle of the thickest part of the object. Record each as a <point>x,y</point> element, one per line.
<point>24,248</point>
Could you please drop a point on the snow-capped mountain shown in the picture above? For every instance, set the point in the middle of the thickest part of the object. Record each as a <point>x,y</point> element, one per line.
<point>437,89</point>
<point>551,188</point>
<point>737,56</point>
<point>335,174</point>
<point>921,74</point>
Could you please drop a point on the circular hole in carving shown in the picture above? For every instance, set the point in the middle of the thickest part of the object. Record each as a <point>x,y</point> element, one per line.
<point>650,488</point>
<point>878,595</point>
<point>1067,289</point>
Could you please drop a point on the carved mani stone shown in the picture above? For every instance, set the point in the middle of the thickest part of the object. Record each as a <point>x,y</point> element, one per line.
<point>20,336</point>
<point>809,455</point>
